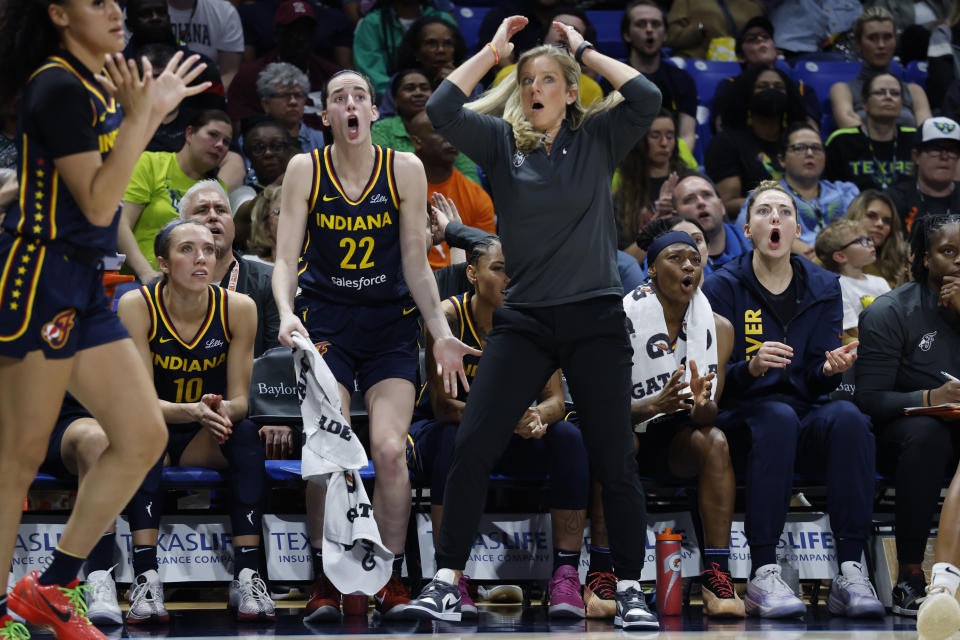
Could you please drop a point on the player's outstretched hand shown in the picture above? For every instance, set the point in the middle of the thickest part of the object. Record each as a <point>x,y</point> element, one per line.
<point>139,95</point>
<point>840,359</point>
<point>448,353</point>
<point>288,324</point>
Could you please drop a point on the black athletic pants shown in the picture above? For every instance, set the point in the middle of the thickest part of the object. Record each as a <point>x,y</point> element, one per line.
<point>921,451</point>
<point>588,340</point>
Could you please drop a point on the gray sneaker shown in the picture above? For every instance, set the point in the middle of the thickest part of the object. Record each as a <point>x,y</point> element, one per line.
<point>768,596</point>
<point>632,610</point>
<point>852,595</point>
<point>439,600</point>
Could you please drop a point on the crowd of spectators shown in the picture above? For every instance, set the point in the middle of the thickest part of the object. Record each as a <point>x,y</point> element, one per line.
<point>872,191</point>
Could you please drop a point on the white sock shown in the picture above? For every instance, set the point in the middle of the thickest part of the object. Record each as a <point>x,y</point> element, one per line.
<point>446,575</point>
<point>946,575</point>
<point>851,569</point>
<point>623,585</point>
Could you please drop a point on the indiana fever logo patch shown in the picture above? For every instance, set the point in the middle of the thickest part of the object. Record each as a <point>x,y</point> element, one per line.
<point>57,331</point>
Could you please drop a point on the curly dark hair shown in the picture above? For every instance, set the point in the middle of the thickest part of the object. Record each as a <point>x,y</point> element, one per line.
<point>27,37</point>
<point>923,228</point>
<point>407,50</point>
<point>736,114</point>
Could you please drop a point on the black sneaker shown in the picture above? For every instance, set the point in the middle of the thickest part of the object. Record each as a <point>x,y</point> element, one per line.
<point>439,600</point>
<point>908,594</point>
<point>632,611</point>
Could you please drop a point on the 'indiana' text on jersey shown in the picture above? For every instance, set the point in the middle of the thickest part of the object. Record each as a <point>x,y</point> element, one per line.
<point>185,369</point>
<point>45,208</point>
<point>351,253</point>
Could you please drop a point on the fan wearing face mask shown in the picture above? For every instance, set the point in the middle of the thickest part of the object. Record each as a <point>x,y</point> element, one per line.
<point>745,152</point>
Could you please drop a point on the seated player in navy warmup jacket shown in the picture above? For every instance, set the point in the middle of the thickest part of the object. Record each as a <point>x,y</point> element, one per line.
<point>786,314</point>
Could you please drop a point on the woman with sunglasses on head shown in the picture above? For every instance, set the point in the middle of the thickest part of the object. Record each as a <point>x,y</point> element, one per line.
<point>81,130</point>
<point>878,214</point>
<point>550,164</point>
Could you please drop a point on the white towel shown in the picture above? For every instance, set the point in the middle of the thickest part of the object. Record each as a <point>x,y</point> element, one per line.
<point>653,359</point>
<point>354,558</point>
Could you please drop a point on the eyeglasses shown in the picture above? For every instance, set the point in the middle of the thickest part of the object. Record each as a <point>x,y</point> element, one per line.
<point>815,149</point>
<point>863,241</point>
<point>938,149</point>
<point>260,148</point>
<point>299,96</point>
<point>661,135</point>
<point>879,93</point>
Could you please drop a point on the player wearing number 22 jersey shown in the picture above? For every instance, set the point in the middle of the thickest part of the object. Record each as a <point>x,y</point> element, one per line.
<point>353,299</point>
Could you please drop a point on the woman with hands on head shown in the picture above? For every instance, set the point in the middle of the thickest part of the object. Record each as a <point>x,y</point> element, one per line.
<point>86,115</point>
<point>196,339</point>
<point>907,344</point>
<point>787,316</point>
<point>550,164</point>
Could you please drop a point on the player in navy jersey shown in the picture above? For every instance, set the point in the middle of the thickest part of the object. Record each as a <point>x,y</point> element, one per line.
<point>197,339</point>
<point>354,216</point>
<point>79,135</point>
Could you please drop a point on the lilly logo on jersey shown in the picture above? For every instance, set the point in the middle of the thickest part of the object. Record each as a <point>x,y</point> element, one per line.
<point>213,343</point>
<point>377,198</point>
<point>57,331</point>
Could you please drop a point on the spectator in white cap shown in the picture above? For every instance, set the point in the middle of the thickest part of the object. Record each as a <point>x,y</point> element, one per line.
<point>934,191</point>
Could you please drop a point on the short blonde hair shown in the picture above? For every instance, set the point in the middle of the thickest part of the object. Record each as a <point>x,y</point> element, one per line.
<point>832,239</point>
<point>260,241</point>
<point>503,100</point>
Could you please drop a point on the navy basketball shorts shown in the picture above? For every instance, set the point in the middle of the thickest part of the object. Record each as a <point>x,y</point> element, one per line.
<point>366,344</point>
<point>51,302</point>
<point>70,412</point>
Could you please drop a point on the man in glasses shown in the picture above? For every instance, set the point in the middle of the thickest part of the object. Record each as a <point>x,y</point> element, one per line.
<point>283,89</point>
<point>819,202</point>
<point>934,191</point>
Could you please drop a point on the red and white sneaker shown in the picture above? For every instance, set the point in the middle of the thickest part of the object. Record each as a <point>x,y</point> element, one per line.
<point>323,603</point>
<point>391,601</point>
<point>62,610</point>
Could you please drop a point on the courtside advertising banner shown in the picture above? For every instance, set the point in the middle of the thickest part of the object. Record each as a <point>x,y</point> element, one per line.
<point>807,549</point>
<point>190,548</point>
<point>288,547</point>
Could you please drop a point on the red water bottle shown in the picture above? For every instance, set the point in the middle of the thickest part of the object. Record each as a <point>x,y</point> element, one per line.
<point>669,583</point>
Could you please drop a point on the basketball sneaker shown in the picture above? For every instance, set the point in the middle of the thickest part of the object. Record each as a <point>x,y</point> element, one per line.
<point>768,596</point>
<point>62,610</point>
<point>249,599</point>
<point>632,610</point>
<point>939,614</point>
<point>102,605</point>
<point>852,595</point>
<point>390,601</point>
<point>323,603</point>
<point>908,595</point>
<point>720,599</point>
<point>468,608</point>
<point>146,600</point>
<point>439,600</point>
<point>600,595</point>
<point>10,629</point>
<point>10,582</point>
<point>564,593</point>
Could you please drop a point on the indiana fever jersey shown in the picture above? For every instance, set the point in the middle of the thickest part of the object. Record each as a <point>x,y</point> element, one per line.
<point>64,111</point>
<point>468,336</point>
<point>351,253</point>
<point>185,369</point>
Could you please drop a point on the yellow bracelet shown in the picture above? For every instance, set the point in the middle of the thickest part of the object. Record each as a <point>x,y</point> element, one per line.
<point>496,54</point>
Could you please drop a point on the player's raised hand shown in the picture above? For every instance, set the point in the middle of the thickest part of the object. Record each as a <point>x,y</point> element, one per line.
<point>448,353</point>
